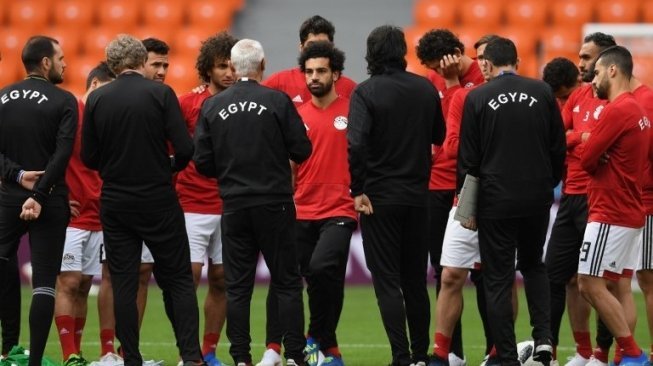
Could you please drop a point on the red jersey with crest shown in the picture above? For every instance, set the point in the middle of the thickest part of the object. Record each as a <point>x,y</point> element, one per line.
<point>443,170</point>
<point>579,114</point>
<point>84,185</point>
<point>322,185</point>
<point>293,83</point>
<point>614,189</point>
<point>644,96</point>
<point>197,193</point>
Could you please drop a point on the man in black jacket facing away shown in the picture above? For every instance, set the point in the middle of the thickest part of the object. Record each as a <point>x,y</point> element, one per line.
<point>244,138</point>
<point>394,118</point>
<point>512,139</point>
<point>126,129</point>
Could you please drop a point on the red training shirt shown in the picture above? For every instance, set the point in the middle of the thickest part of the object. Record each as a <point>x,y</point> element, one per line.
<point>293,83</point>
<point>644,96</point>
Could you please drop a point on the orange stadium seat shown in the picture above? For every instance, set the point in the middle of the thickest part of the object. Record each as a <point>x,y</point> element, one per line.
<point>618,11</point>
<point>11,69</point>
<point>73,13</point>
<point>481,13</point>
<point>36,13</point>
<point>525,39</point>
<point>96,39</point>
<point>182,76</point>
<point>123,14</point>
<point>414,65</point>
<point>469,35</point>
<point>435,13</point>
<point>77,70</point>
<point>413,35</point>
<point>642,69</point>
<point>188,40</point>
<point>647,11</point>
<point>529,66</point>
<point>158,32</point>
<point>572,12</point>
<point>530,13</point>
<point>210,14</point>
<point>69,38</point>
<point>12,40</point>
<point>164,13</point>
<point>562,39</point>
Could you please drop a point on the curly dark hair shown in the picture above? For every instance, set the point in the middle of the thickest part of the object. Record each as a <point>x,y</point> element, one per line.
<point>560,72</point>
<point>323,49</point>
<point>215,47</point>
<point>437,43</point>
<point>316,25</point>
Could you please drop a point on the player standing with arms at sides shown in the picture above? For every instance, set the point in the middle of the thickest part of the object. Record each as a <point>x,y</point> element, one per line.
<point>518,164</point>
<point>81,258</point>
<point>199,197</point>
<point>394,118</point>
<point>38,122</point>
<point>244,138</point>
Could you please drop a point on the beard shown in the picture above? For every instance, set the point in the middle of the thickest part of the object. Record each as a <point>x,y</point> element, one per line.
<point>55,77</point>
<point>319,89</point>
<point>602,90</point>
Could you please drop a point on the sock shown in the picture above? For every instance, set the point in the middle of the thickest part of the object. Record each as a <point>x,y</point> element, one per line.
<point>629,346</point>
<point>583,344</point>
<point>601,354</point>
<point>493,352</point>
<point>210,343</point>
<point>106,341</point>
<point>79,329</point>
<point>333,351</point>
<point>40,317</point>
<point>555,352</point>
<point>442,345</point>
<point>618,354</point>
<point>650,355</point>
<point>66,328</point>
<point>276,347</point>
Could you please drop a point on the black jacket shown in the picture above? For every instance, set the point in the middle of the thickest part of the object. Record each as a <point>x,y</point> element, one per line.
<point>512,138</point>
<point>125,134</point>
<point>394,118</point>
<point>245,137</point>
<point>38,122</point>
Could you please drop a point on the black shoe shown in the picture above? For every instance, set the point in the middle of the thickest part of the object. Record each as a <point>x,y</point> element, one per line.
<point>543,351</point>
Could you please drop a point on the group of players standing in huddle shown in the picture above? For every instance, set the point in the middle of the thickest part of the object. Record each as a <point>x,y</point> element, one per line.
<point>390,153</point>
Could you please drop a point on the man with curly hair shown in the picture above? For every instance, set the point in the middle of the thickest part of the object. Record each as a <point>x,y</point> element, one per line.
<point>198,195</point>
<point>563,77</point>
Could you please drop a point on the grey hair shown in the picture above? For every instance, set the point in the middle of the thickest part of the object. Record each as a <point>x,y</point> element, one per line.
<point>124,53</point>
<point>246,57</point>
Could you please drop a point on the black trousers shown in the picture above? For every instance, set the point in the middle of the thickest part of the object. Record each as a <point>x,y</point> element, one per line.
<point>164,233</point>
<point>270,230</point>
<point>395,240</point>
<point>10,306</point>
<point>498,241</point>
<point>46,238</point>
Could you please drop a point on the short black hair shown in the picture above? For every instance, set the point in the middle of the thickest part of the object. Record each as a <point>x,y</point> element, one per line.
<point>485,40</point>
<point>316,25</point>
<point>438,43</point>
<point>35,49</point>
<point>602,40</point>
<point>217,46</point>
<point>323,49</point>
<point>560,72</point>
<point>386,48</point>
<point>619,56</point>
<point>501,52</point>
<point>156,45</point>
<point>100,72</point>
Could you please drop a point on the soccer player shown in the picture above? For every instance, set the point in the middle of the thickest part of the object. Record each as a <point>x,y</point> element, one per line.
<point>563,77</point>
<point>156,66</point>
<point>244,138</point>
<point>518,165</point>
<point>199,197</point>
<point>127,127</point>
<point>325,210</point>
<point>37,133</point>
<point>579,114</point>
<point>81,258</point>
<point>615,155</point>
<point>449,71</point>
<point>394,118</point>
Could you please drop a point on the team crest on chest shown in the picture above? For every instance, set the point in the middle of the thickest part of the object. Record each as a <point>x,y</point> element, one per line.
<point>597,111</point>
<point>340,123</point>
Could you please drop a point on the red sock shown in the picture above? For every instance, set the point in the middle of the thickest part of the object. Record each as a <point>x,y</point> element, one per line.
<point>618,354</point>
<point>210,343</point>
<point>442,345</point>
<point>276,347</point>
<point>629,346</point>
<point>79,329</point>
<point>334,352</point>
<point>650,355</point>
<point>583,344</point>
<point>106,341</point>
<point>493,352</point>
<point>66,327</point>
<point>602,354</point>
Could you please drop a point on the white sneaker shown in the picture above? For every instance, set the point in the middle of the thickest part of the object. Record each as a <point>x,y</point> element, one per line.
<point>270,358</point>
<point>577,360</point>
<point>593,361</point>
<point>454,360</point>
<point>109,359</point>
<point>419,363</point>
<point>180,363</point>
<point>554,363</point>
<point>290,362</point>
<point>152,363</point>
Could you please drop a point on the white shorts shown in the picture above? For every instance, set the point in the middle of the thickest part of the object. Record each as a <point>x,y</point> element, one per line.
<point>146,255</point>
<point>460,246</point>
<point>204,237</point>
<point>81,252</point>
<point>608,251</point>
<point>645,261</point>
